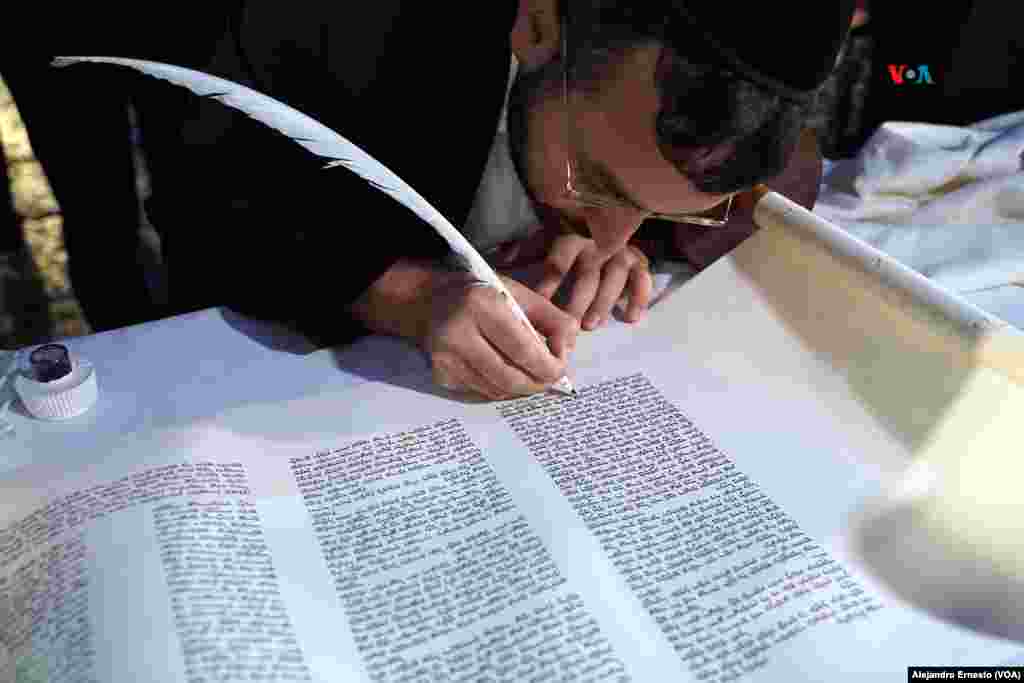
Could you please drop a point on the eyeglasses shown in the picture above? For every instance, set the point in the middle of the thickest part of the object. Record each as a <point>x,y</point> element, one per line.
<point>578,191</point>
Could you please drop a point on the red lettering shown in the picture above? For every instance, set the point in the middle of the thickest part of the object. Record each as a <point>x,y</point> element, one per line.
<point>896,72</point>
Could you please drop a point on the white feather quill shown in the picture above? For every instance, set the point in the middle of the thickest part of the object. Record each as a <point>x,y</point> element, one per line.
<point>325,143</point>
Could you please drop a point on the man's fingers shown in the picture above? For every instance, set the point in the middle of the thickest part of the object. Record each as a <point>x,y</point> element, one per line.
<point>543,362</point>
<point>479,368</point>
<point>515,358</point>
<point>558,327</point>
<point>490,384</point>
<point>504,371</point>
<point>486,347</point>
<point>612,281</point>
<point>564,252</point>
<point>588,283</point>
<point>641,287</point>
<point>452,373</point>
<point>479,344</point>
<point>628,272</point>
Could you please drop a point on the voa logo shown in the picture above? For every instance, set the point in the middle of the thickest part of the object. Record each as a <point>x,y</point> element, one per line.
<point>901,74</point>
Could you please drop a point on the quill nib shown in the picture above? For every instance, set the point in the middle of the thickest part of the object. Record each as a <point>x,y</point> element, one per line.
<point>564,386</point>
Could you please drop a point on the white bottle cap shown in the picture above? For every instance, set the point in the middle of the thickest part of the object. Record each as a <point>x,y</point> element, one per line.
<point>61,399</point>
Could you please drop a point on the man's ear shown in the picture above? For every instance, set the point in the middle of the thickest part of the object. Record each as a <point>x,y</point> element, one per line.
<point>536,34</point>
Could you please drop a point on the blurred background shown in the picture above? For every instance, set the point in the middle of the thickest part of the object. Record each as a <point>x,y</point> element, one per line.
<point>36,299</point>
<point>970,51</point>
<point>37,294</point>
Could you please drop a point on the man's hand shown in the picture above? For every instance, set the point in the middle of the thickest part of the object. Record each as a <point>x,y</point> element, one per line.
<point>474,341</point>
<point>599,281</point>
<point>799,181</point>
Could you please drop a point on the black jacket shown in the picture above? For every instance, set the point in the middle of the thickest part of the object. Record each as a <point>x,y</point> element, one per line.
<point>250,220</point>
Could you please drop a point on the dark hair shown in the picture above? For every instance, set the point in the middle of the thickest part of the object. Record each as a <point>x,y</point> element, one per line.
<point>704,103</point>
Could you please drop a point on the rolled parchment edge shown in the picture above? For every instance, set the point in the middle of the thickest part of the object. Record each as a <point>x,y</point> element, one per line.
<point>995,343</point>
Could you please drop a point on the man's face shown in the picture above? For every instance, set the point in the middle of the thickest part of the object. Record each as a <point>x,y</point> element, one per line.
<point>615,151</point>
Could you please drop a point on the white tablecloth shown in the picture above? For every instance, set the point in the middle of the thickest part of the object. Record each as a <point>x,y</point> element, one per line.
<point>947,201</point>
<point>174,371</point>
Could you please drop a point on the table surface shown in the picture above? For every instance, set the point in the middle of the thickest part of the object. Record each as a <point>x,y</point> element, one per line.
<point>178,370</point>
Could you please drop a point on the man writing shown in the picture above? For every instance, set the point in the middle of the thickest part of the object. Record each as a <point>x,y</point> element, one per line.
<point>616,116</point>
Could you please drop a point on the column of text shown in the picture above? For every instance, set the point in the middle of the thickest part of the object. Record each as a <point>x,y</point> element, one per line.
<point>723,570</point>
<point>425,545</point>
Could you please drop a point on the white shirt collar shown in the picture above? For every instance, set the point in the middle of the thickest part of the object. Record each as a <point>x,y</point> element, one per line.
<point>501,211</point>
